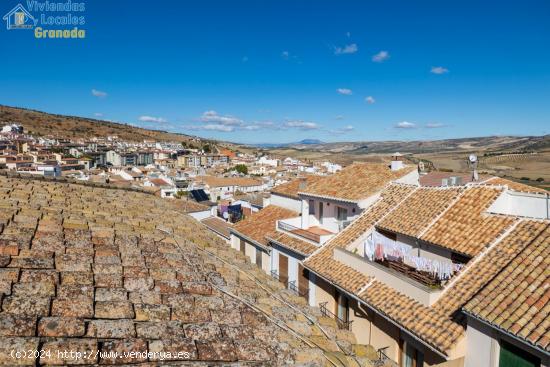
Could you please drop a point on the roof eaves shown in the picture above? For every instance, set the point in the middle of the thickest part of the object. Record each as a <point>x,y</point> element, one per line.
<point>350,201</point>
<point>245,237</point>
<point>281,244</point>
<point>504,331</point>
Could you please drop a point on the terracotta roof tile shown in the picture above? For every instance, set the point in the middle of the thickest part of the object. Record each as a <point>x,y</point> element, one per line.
<point>218,226</point>
<point>214,181</point>
<point>419,210</point>
<point>465,227</point>
<point>322,261</point>
<point>475,276</point>
<point>515,186</point>
<point>292,243</point>
<point>355,182</point>
<point>291,189</point>
<point>517,300</point>
<point>261,224</point>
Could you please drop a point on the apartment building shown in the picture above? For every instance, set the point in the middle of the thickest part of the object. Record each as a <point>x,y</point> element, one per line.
<point>226,187</point>
<point>202,160</point>
<point>321,207</point>
<point>400,275</point>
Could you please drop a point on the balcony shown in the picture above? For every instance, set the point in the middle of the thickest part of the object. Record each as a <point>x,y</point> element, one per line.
<point>298,291</point>
<point>391,276</point>
<point>315,233</point>
<point>342,324</point>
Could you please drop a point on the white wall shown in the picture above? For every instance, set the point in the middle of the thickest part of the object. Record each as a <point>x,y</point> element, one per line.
<point>522,204</point>
<point>292,269</point>
<point>312,287</point>
<point>481,348</point>
<point>275,260</point>
<point>397,281</point>
<point>329,219</point>
<point>287,203</point>
<point>412,178</point>
<point>201,215</point>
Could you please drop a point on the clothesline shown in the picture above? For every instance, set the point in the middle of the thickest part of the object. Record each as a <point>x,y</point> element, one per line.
<point>379,247</point>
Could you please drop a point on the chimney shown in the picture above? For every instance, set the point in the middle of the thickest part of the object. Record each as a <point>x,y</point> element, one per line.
<point>396,162</point>
<point>303,184</point>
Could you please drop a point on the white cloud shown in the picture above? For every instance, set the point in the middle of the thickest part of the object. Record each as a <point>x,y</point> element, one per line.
<point>348,34</point>
<point>439,70</point>
<point>98,114</point>
<point>339,117</point>
<point>381,56</point>
<point>245,59</point>
<point>215,118</point>
<point>370,99</point>
<point>98,93</point>
<point>435,125</point>
<point>285,55</point>
<point>343,130</point>
<point>217,127</point>
<point>405,125</point>
<point>347,49</point>
<point>146,118</point>
<point>344,91</point>
<point>302,125</point>
<point>346,129</point>
<point>211,127</point>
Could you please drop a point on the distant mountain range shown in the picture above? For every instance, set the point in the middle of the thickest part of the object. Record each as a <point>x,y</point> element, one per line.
<point>283,145</point>
<point>489,143</point>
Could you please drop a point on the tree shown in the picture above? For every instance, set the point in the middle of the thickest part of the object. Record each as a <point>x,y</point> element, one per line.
<point>241,168</point>
<point>206,148</point>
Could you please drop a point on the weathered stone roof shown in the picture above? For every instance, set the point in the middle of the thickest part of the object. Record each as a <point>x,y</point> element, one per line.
<point>96,270</point>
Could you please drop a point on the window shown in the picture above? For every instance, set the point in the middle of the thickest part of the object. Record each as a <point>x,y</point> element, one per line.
<point>410,356</point>
<point>511,356</point>
<point>258,258</point>
<point>342,214</point>
<point>342,307</point>
<point>311,207</point>
<point>320,211</point>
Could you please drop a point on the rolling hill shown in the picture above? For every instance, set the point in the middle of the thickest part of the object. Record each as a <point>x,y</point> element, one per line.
<point>73,127</point>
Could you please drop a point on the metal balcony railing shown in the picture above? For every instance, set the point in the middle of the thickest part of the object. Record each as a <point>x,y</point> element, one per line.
<point>298,231</point>
<point>300,292</point>
<point>383,359</point>
<point>280,278</point>
<point>342,324</point>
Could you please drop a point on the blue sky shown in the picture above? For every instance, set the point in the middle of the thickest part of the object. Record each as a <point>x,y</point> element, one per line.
<point>281,71</point>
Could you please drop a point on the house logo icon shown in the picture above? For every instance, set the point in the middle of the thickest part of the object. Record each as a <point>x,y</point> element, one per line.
<point>19,18</point>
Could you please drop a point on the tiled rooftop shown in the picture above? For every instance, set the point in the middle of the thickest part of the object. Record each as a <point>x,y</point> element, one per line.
<point>474,277</point>
<point>88,269</point>
<point>517,299</point>
<point>214,181</point>
<point>299,246</point>
<point>465,227</point>
<point>218,225</point>
<point>262,224</point>
<point>419,210</point>
<point>323,263</point>
<point>355,182</point>
<point>291,189</point>
<point>516,186</point>
<point>436,325</point>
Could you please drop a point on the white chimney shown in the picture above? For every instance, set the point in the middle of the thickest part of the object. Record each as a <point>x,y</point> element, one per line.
<point>396,162</point>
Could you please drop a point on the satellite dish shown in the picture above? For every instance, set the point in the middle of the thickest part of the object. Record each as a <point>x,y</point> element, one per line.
<point>473,158</point>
